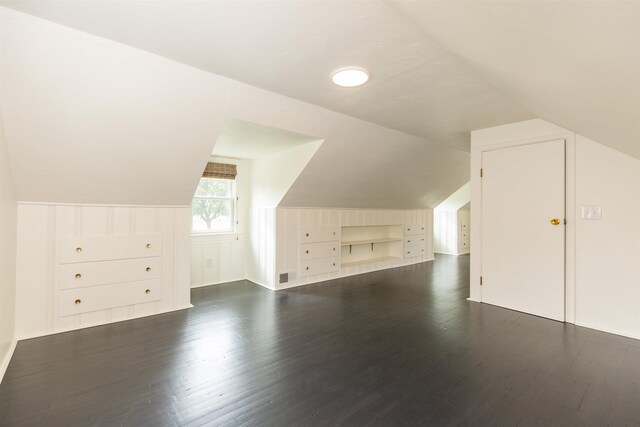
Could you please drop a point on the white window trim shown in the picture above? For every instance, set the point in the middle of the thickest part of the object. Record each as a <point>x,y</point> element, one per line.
<point>234,210</point>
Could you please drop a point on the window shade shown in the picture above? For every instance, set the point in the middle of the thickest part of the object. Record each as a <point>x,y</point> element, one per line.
<point>220,171</point>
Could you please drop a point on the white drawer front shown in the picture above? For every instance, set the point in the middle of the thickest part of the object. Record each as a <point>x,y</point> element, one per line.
<point>83,300</point>
<point>319,234</point>
<point>311,267</point>
<point>466,244</point>
<point>413,229</point>
<point>415,240</point>
<point>415,251</point>
<point>102,248</point>
<point>79,275</point>
<point>319,250</point>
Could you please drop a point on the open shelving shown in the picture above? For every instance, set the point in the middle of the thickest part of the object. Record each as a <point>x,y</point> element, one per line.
<point>371,244</point>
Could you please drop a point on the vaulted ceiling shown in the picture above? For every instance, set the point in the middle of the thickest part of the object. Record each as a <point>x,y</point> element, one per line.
<point>292,48</point>
<point>152,83</point>
<point>573,63</point>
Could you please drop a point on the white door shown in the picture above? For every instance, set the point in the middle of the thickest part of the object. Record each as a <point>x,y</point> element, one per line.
<point>523,199</point>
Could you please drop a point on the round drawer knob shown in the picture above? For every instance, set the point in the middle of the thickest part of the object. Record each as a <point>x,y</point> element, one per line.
<point>78,250</point>
<point>307,235</point>
<point>307,268</point>
<point>334,264</point>
<point>148,245</point>
<point>334,249</point>
<point>78,276</point>
<point>78,301</point>
<point>148,269</point>
<point>306,251</point>
<point>148,291</point>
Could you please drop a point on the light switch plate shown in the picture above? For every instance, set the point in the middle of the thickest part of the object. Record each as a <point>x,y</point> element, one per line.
<point>592,213</point>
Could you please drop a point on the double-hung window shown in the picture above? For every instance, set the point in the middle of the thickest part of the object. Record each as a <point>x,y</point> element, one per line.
<point>213,208</point>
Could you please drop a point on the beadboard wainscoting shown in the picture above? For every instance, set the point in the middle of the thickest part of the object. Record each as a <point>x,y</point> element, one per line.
<point>262,249</point>
<point>366,224</point>
<point>217,259</point>
<point>81,265</point>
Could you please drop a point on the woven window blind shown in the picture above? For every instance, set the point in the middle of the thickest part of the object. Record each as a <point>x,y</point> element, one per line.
<point>220,171</point>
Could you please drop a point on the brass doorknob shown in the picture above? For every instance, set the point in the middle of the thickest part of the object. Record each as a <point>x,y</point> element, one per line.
<point>78,249</point>
<point>78,276</point>
<point>148,269</point>
<point>78,301</point>
<point>555,221</point>
<point>148,291</point>
<point>148,245</point>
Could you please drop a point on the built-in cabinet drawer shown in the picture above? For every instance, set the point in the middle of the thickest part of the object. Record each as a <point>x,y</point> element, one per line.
<point>319,250</point>
<point>415,240</point>
<point>99,248</point>
<point>84,300</point>
<point>78,275</point>
<point>319,234</point>
<point>319,266</point>
<point>415,251</point>
<point>413,229</point>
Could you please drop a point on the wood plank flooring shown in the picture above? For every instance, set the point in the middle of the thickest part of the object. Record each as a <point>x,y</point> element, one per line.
<point>391,348</point>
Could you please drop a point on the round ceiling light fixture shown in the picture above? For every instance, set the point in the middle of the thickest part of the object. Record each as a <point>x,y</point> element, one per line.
<point>350,77</point>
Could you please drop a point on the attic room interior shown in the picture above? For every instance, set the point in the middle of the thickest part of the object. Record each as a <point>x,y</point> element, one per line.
<point>377,212</point>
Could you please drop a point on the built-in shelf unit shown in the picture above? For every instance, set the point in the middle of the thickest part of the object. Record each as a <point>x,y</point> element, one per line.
<point>371,244</point>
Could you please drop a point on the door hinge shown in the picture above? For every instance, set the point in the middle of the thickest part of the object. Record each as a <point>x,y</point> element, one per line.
<point>481,172</point>
<point>565,221</point>
<point>480,280</point>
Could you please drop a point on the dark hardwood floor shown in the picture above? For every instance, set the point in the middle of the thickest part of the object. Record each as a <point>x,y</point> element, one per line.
<point>397,347</point>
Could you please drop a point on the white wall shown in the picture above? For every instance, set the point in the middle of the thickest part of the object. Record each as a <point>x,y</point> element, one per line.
<point>40,229</point>
<point>222,257</point>
<point>602,257</point>
<point>261,266</point>
<point>7,256</point>
<point>608,251</point>
<point>289,221</point>
<point>273,175</point>
<point>457,200</point>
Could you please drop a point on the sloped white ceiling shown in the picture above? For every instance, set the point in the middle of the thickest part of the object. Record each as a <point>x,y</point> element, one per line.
<point>89,120</point>
<point>573,63</point>
<point>292,48</point>
<point>244,140</point>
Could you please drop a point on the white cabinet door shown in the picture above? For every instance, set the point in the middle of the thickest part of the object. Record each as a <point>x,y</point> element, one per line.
<point>523,193</point>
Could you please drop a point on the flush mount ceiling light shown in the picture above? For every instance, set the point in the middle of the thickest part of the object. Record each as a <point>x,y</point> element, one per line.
<point>350,77</point>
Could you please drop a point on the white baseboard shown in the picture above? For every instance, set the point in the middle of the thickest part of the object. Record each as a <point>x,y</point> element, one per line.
<point>217,283</point>
<point>93,325</point>
<point>452,253</point>
<point>609,331</point>
<point>7,359</point>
